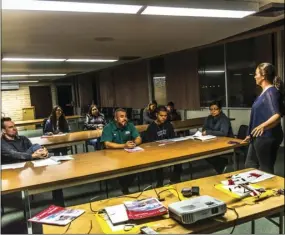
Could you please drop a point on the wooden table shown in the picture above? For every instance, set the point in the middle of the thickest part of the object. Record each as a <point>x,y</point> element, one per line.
<point>245,212</point>
<point>107,164</point>
<point>73,138</point>
<point>40,121</point>
<point>80,137</point>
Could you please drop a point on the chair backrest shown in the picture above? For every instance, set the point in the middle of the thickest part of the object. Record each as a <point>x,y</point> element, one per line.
<point>141,116</point>
<point>129,113</point>
<point>44,124</point>
<point>242,131</point>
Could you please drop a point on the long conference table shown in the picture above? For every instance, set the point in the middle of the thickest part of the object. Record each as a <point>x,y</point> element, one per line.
<point>246,212</point>
<point>76,138</point>
<point>107,164</point>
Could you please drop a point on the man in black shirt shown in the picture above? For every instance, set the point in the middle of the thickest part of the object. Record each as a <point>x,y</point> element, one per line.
<point>161,129</point>
<point>172,113</point>
<point>16,148</point>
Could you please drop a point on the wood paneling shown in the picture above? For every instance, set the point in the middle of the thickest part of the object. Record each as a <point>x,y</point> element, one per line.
<point>182,83</point>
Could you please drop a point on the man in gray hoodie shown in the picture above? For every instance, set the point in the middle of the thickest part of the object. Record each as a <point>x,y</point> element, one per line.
<point>217,124</point>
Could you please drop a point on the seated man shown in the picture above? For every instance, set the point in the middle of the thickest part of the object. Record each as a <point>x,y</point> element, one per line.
<point>161,129</point>
<point>16,148</point>
<point>217,124</point>
<point>120,134</point>
<point>172,114</point>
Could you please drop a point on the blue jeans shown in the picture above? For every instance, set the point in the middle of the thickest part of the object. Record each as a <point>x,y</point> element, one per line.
<point>93,142</point>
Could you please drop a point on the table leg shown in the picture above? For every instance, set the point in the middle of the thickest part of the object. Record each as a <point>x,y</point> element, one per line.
<point>281,223</point>
<point>27,210</point>
<point>75,147</point>
<point>235,161</point>
<point>253,227</point>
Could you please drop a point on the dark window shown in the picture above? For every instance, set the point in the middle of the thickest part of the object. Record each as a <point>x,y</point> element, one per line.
<point>242,58</point>
<point>211,75</point>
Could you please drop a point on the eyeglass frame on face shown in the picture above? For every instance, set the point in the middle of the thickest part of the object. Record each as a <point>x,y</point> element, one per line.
<point>214,109</point>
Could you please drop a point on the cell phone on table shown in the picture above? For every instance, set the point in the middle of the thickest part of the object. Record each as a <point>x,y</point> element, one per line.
<point>233,142</point>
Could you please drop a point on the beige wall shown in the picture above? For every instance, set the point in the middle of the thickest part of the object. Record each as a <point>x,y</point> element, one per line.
<point>15,100</point>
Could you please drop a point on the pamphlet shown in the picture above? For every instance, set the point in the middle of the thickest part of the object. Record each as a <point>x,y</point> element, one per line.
<point>57,215</point>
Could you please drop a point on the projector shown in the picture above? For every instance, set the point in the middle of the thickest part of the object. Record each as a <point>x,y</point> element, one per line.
<point>191,210</point>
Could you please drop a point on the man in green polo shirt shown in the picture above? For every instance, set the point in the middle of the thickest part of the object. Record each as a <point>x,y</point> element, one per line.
<point>120,134</point>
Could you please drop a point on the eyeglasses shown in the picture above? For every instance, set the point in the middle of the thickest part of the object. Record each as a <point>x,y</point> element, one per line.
<point>213,109</point>
<point>94,109</point>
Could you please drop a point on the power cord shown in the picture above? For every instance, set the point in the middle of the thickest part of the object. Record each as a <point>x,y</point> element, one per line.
<point>237,217</point>
<point>169,189</point>
<point>67,228</point>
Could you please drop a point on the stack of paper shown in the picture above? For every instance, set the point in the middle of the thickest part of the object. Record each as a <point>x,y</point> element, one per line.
<point>117,214</point>
<point>198,135</point>
<point>253,176</point>
<point>13,166</point>
<point>57,215</point>
<point>45,162</point>
<point>55,160</point>
<point>135,149</point>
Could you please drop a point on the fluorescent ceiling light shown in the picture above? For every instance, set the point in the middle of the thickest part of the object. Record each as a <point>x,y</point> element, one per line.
<point>179,11</point>
<point>159,77</point>
<point>69,6</point>
<point>47,75</point>
<point>13,75</point>
<point>91,60</point>
<point>33,59</point>
<point>33,75</point>
<point>211,71</point>
<point>6,82</point>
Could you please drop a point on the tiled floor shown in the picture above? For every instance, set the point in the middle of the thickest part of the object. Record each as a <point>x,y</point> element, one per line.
<point>13,219</point>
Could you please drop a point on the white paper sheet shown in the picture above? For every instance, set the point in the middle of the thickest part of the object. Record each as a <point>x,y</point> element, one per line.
<point>62,158</point>
<point>190,137</point>
<point>45,162</point>
<point>197,134</point>
<point>135,149</point>
<point>13,166</point>
<point>253,176</point>
<point>117,214</point>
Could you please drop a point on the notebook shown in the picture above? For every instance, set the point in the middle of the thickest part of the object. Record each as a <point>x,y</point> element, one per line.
<point>198,136</point>
<point>117,214</point>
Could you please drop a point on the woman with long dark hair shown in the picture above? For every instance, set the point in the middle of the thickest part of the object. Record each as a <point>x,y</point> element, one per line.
<point>57,124</point>
<point>149,113</point>
<point>265,132</point>
<point>94,121</point>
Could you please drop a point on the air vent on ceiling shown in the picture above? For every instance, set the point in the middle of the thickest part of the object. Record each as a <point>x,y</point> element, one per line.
<point>271,10</point>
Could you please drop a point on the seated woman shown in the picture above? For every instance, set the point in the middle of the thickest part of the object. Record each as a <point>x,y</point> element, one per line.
<point>217,124</point>
<point>149,114</point>
<point>94,120</point>
<point>57,124</point>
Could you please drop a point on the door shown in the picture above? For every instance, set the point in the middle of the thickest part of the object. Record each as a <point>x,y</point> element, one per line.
<point>64,94</point>
<point>41,100</point>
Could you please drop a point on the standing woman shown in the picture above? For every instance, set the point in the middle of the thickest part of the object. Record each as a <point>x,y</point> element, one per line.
<point>94,121</point>
<point>265,132</point>
<point>57,124</point>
